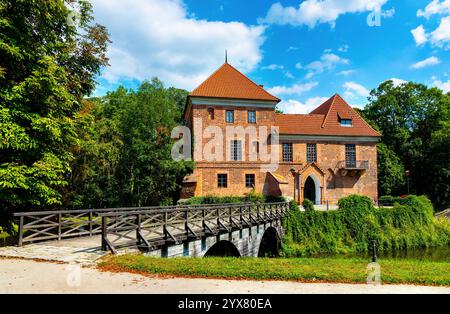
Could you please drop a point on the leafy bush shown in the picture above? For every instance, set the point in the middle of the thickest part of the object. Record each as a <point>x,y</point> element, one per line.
<point>249,198</point>
<point>389,200</point>
<point>308,205</point>
<point>350,229</point>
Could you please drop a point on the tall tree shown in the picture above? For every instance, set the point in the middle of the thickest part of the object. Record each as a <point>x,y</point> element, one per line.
<point>412,119</point>
<point>48,61</point>
<point>125,157</point>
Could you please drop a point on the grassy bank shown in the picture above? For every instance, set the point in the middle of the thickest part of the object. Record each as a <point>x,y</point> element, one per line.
<point>352,228</point>
<point>338,269</point>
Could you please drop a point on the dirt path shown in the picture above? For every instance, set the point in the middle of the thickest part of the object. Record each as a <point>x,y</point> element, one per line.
<point>25,276</point>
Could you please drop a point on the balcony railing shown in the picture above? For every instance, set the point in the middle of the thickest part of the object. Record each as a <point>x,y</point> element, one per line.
<point>353,164</point>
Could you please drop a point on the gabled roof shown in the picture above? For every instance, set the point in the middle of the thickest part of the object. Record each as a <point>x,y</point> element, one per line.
<point>227,82</point>
<point>324,120</point>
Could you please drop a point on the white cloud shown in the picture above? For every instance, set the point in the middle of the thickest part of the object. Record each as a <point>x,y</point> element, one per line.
<point>445,86</point>
<point>440,37</point>
<point>419,35</point>
<point>292,106</point>
<point>397,81</point>
<point>435,7</point>
<point>299,66</point>
<point>327,62</point>
<point>425,63</point>
<point>346,72</point>
<point>289,75</point>
<point>273,67</point>
<point>296,89</point>
<point>344,48</point>
<point>312,12</point>
<point>353,88</point>
<point>160,38</point>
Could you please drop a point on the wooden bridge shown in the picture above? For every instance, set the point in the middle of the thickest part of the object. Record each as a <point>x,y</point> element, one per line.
<point>243,229</point>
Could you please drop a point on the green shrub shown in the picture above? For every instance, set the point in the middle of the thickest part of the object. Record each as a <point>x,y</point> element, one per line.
<point>350,229</point>
<point>274,199</point>
<point>308,205</point>
<point>251,197</point>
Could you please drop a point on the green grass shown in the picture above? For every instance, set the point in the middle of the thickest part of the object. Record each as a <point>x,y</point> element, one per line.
<point>333,269</point>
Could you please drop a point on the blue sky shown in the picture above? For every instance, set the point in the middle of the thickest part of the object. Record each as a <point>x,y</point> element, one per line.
<point>302,51</point>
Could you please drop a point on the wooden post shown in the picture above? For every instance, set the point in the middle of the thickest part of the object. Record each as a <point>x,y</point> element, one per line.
<point>59,226</point>
<point>90,223</point>
<point>104,233</point>
<point>218,218</point>
<point>21,230</point>
<point>138,229</point>
<point>165,225</point>
<point>203,221</point>
<point>186,221</point>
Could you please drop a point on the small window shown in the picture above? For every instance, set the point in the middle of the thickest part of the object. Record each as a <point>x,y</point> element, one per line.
<point>311,153</point>
<point>287,152</point>
<point>229,116</point>
<point>251,116</point>
<point>346,122</point>
<point>250,181</point>
<point>222,180</point>
<point>350,155</point>
<point>236,150</point>
<point>256,147</point>
<point>211,113</point>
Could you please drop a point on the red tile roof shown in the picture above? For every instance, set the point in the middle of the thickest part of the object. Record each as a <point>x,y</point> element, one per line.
<point>324,120</point>
<point>227,82</point>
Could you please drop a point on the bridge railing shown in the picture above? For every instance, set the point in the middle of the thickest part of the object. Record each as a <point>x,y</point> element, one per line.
<point>61,224</point>
<point>150,229</point>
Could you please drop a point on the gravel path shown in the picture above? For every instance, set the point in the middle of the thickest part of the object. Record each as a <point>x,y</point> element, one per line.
<point>26,276</point>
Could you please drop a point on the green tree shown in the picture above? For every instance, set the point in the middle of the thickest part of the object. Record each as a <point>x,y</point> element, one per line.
<point>124,158</point>
<point>413,120</point>
<point>391,174</point>
<point>47,65</point>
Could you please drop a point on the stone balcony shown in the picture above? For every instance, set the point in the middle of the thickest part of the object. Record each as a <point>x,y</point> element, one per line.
<point>352,167</point>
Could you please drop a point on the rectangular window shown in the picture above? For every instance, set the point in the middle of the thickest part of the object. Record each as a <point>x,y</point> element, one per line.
<point>250,181</point>
<point>256,147</point>
<point>211,113</point>
<point>222,180</point>
<point>251,116</point>
<point>236,150</point>
<point>311,153</point>
<point>287,152</point>
<point>350,155</point>
<point>346,122</point>
<point>230,116</point>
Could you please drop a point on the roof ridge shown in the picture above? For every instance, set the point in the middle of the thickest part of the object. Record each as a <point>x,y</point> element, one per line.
<point>250,80</point>
<point>333,99</point>
<point>353,111</point>
<point>211,75</point>
<point>228,82</point>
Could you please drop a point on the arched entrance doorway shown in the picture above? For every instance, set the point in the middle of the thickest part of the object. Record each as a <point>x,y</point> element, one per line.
<point>309,191</point>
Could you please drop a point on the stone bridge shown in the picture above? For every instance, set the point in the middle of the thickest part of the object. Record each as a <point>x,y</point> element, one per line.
<point>220,230</point>
<point>243,229</point>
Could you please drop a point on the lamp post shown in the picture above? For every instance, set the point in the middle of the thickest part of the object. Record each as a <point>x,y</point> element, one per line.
<point>407,174</point>
<point>374,251</point>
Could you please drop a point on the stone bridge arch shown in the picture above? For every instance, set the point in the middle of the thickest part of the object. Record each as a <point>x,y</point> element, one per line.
<point>251,241</point>
<point>223,248</point>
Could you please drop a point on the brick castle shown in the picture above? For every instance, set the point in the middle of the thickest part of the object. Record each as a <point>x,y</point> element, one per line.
<point>323,156</point>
